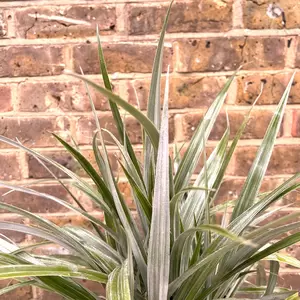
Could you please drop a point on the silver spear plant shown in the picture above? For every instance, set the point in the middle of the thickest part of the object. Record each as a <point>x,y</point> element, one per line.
<point>170,247</point>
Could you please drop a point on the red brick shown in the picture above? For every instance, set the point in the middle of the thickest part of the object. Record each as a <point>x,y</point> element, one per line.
<point>255,15</point>
<point>291,281</point>
<point>37,171</point>
<point>249,87</point>
<point>94,286</point>
<point>296,124</point>
<point>46,295</point>
<point>208,151</point>
<point>59,96</point>
<point>137,92</point>
<point>55,22</point>
<point>225,54</point>
<point>184,92</point>
<point>206,16</point>
<point>255,129</point>
<point>231,188</point>
<point>294,251</point>
<point>23,293</point>
<point>297,63</point>
<point>31,61</point>
<point>37,204</point>
<point>70,220</point>
<point>35,131</point>
<point>15,236</point>
<point>121,57</point>
<point>284,160</point>
<point>86,128</point>
<point>91,285</point>
<point>6,98</point>
<point>10,168</point>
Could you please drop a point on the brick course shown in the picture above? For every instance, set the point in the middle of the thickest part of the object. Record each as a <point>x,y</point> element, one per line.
<point>206,41</point>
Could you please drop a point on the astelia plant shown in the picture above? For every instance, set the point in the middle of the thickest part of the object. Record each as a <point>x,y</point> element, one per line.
<point>170,246</point>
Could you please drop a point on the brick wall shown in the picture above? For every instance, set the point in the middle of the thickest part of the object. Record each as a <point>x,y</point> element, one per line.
<point>206,41</point>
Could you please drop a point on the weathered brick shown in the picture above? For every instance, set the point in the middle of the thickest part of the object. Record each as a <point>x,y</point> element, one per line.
<point>218,54</point>
<point>255,14</point>
<point>206,16</point>
<point>264,53</point>
<point>64,21</point>
<point>184,92</point>
<point>31,61</point>
<point>3,25</point>
<point>249,87</point>
<point>37,171</point>
<point>209,54</point>
<point>121,57</point>
<point>255,129</point>
<point>284,160</point>
<point>34,132</point>
<point>23,293</point>
<point>10,168</point>
<point>37,204</point>
<point>6,98</point>
<point>59,96</point>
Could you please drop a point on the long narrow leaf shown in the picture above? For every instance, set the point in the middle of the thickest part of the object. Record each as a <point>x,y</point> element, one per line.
<point>118,284</point>
<point>252,185</point>
<point>144,121</point>
<point>274,269</point>
<point>195,148</point>
<point>114,108</point>
<point>153,109</point>
<point>159,243</point>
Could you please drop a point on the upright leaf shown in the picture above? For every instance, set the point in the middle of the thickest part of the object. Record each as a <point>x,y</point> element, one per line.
<point>253,182</point>
<point>118,284</point>
<point>274,269</point>
<point>114,108</point>
<point>159,243</point>
<point>195,148</point>
<point>153,110</point>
